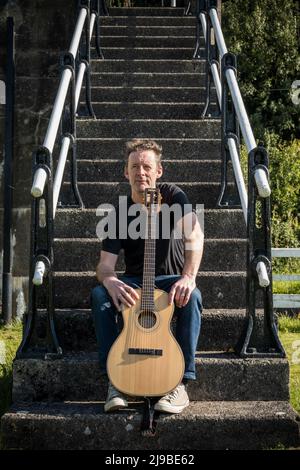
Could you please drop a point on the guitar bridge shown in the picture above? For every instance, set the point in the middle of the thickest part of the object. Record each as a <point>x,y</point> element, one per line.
<point>146,352</point>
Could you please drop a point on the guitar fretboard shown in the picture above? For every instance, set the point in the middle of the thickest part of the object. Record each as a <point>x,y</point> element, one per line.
<point>147,302</point>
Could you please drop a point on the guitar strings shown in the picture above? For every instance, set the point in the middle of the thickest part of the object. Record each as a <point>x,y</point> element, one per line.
<point>146,316</point>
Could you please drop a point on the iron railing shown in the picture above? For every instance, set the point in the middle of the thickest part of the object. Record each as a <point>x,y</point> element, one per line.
<point>46,186</point>
<point>8,173</point>
<point>221,72</point>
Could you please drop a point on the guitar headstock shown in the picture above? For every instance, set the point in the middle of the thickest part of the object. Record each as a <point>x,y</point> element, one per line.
<point>152,198</point>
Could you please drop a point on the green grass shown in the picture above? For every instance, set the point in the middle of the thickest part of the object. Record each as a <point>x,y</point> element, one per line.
<point>285,287</point>
<point>289,333</point>
<point>10,338</point>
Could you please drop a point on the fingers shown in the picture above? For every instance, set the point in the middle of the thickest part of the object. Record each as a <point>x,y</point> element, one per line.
<point>125,295</point>
<point>180,294</point>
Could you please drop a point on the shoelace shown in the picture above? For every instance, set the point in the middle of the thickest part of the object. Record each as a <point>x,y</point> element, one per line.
<point>173,394</point>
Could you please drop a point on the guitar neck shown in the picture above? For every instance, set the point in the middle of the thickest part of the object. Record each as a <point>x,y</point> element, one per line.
<point>147,301</point>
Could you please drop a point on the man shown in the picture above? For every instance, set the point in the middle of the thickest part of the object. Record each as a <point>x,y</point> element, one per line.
<point>177,262</point>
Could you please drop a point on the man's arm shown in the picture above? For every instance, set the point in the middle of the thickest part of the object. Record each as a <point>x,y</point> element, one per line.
<point>120,292</point>
<point>106,266</point>
<point>193,245</point>
<point>193,237</point>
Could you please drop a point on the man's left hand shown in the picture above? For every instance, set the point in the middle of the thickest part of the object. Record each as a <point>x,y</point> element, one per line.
<point>181,290</point>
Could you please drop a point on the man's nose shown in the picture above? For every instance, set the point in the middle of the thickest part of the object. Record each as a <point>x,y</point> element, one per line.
<point>141,170</point>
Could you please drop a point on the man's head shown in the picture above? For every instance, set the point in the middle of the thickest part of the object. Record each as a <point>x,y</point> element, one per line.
<point>143,165</point>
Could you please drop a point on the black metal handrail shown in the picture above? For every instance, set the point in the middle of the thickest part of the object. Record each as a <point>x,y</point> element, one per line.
<point>8,173</point>
<point>46,187</point>
<point>235,118</point>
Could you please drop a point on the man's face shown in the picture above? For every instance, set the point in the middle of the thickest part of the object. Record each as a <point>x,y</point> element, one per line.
<point>142,170</point>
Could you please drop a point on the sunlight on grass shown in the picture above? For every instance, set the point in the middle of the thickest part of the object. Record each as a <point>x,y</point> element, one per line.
<point>289,332</point>
<point>10,338</point>
<point>284,287</point>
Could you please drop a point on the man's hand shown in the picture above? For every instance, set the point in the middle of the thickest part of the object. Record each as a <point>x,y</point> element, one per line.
<point>181,290</point>
<point>120,292</point>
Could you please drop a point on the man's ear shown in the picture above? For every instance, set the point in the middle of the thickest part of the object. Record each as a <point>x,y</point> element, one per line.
<point>126,172</point>
<point>159,171</point>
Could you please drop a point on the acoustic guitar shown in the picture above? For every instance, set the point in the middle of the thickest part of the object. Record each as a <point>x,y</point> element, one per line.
<point>145,359</point>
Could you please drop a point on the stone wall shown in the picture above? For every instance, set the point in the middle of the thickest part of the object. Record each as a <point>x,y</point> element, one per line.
<point>43,29</point>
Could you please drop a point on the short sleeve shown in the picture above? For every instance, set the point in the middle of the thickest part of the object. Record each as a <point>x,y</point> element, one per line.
<point>111,245</point>
<point>111,241</point>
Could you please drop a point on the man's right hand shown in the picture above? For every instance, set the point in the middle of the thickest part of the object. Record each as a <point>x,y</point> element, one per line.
<point>120,292</point>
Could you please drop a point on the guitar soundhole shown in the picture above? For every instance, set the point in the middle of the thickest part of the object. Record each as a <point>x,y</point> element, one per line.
<point>147,319</point>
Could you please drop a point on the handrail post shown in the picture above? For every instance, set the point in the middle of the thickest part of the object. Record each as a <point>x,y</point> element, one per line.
<point>230,129</point>
<point>200,7</point>
<point>97,12</point>
<point>104,8</point>
<point>259,252</point>
<point>187,9</point>
<point>84,57</point>
<point>69,127</point>
<point>41,250</point>
<point>211,55</point>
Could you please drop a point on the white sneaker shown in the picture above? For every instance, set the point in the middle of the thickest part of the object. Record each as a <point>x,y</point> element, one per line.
<point>115,400</point>
<point>173,402</point>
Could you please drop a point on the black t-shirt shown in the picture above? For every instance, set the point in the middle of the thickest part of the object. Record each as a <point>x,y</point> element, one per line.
<point>169,250</point>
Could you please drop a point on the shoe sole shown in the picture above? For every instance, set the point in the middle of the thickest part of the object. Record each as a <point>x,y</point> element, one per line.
<point>115,408</point>
<point>170,409</point>
<point>114,405</point>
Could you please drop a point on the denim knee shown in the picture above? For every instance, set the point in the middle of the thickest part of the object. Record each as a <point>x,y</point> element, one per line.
<point>99,300</point>
<point>98,295</point>
<point>196,298</point>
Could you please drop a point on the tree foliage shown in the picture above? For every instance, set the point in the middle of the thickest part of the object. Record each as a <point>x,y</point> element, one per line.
<point>264,37</point>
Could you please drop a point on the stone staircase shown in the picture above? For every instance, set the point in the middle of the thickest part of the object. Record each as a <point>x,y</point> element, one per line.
<point>148,86</point>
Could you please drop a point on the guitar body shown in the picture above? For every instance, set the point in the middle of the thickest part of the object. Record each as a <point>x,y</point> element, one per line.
<point>145,359</point>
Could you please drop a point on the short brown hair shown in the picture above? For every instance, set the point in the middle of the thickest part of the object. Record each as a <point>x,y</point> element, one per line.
<point>136,145</point>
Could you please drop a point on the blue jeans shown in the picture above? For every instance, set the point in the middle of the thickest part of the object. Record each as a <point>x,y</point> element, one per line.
<point>188,320</point>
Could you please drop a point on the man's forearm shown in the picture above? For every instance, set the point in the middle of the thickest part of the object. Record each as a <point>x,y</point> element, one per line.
<point>193,248</point>
<point>103,272</point>
<point>192,260</point>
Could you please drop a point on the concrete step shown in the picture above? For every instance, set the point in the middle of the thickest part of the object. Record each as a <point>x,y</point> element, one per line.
<point>220,329</point>
<point>150,94</point>
<point>146,11</point>
<point>113,170</point>
<point>81,255</point>
<point>134,40</point>
<point>148,66</point>
<point>131,53</point>
<point>220,290</point>
<point>148,21</point>
<point>144,110</point>
<point>94,194</point>
<point>133,29</point>
<point>208,425</point>
<point>149,128</point>
<point>97,147</point>
<point>144,79</point>
<point>218,223</point>
<point>220,376</point>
